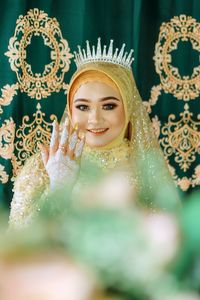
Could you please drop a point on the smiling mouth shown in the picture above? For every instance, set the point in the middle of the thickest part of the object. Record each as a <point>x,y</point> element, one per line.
<point>98,131</point>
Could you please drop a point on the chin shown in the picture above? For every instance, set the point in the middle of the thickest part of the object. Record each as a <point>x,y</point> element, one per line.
<point>94,144</point>
<point>101,141</point>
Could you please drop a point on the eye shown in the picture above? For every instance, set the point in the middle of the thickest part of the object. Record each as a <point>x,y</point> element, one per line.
<point>109,106</point>
<point>82,107</point>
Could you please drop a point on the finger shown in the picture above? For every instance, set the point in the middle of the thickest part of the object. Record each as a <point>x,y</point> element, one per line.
<point>62,148</point>
<point>54,138</point>
<point>65,132</point>
<point>44,153</point>
<point>64,138</point>
<point>73,139</point>
<point>79,147</point>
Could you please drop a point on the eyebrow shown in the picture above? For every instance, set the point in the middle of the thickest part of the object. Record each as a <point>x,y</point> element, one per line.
<point>101,99</point>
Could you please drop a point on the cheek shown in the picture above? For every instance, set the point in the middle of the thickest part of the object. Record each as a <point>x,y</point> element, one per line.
<point>117,118</point>
<point>79,117</point>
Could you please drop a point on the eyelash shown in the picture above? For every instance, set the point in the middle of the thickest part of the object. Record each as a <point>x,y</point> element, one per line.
<point>82,107</point>
<point>109,106</point>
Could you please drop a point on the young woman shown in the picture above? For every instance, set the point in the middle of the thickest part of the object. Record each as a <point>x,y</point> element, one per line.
<point>106,123</point>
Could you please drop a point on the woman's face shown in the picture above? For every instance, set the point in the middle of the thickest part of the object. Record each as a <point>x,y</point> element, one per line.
<point>99,111</point>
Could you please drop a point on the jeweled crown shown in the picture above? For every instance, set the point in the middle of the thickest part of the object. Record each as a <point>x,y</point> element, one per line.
<point>88,55</point>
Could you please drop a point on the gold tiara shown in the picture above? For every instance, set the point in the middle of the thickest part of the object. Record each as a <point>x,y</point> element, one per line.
<point>88,55</point>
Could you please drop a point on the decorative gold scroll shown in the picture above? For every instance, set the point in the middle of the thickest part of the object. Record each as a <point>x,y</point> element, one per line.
<point>156,125</point>
<point>185,183</point>
<point>155,93</point>
<point>7,135</point>
<point>182,138</point>
<point>8,92</point>
<point>3,175</point>
<point>39,85</point>
<point>196,176</point>
<point>181,28</point>
<point>29,134</point>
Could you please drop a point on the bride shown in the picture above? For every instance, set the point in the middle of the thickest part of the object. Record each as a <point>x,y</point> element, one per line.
<point>104,123</point>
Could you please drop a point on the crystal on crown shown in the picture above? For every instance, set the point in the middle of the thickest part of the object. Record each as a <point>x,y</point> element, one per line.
<point>101,55</point>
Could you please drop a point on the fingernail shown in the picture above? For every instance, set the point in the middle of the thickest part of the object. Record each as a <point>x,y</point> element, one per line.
<point>76,126</point>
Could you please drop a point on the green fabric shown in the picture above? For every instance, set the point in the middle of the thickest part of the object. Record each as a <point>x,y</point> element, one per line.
<point>135,22</point>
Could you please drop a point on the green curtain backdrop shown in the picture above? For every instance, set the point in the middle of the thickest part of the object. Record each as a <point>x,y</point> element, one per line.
<point>38,38</point>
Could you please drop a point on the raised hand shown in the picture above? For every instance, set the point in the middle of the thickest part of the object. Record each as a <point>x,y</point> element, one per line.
<point>62,159</point>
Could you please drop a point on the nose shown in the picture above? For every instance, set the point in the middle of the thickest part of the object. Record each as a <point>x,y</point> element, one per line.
<point>95,116</point>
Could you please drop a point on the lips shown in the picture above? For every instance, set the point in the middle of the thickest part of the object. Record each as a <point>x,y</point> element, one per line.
<point>97,131</point>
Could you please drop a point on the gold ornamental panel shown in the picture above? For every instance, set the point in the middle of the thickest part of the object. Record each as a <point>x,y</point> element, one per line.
<point>39,85</point>
<point>29,134</point>
<point>180,28</point>
<point>182,138</point>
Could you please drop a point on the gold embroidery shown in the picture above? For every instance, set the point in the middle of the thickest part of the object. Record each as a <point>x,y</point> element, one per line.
<point>155,93</point>
<point>184,183</point>
<point>65,88</point>
<point>156,126</point>
<point>16,164</point>
<point>196,176</point>
<point>3,175</point>
<point>182,138</point>
<point>183,28</point>
<point>7,135</point>
<point>8,92</point>
<point>109,158</point>
<point>30,134</point>
<point>37,23</point>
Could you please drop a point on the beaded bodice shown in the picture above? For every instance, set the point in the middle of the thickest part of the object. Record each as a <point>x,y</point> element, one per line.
<point>108,159</point>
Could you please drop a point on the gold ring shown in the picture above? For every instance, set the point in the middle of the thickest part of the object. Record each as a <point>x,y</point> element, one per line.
<point>62,148</point>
